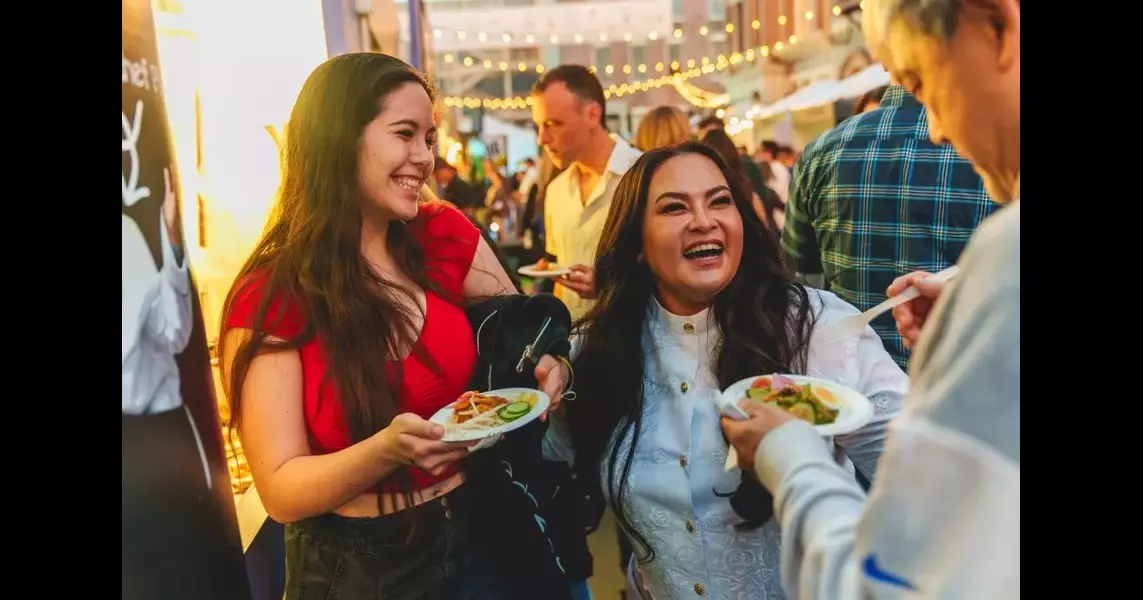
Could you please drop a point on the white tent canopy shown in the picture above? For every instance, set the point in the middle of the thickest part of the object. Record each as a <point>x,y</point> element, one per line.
<point>814,94</point>
<point>869,78</point>
<point>824,92</point>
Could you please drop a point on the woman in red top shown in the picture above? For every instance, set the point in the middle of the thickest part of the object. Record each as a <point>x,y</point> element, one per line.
<point>344,332</point>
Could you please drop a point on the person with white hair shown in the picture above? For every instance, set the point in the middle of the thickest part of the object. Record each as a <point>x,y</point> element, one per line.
<point>943,516</point>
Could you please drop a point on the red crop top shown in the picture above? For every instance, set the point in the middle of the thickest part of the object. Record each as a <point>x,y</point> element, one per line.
<point>448,241</point>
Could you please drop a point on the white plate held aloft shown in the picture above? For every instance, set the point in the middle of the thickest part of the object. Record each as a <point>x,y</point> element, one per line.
<point>549,271</point>
<point>854,409</point>
<point>488,423</point>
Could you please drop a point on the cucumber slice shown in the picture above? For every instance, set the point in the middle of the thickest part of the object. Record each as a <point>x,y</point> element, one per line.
<point>757,393</point>
<point>519,406</point>
<point>803,411</point>
<point>515,410</point>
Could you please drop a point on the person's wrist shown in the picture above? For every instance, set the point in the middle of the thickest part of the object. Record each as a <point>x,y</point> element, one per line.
<point>384,445</point>
<point>569,373</point>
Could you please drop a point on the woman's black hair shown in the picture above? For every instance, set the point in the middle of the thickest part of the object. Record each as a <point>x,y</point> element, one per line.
<point>763,315</point>
<point>721,142</point>
<point>873,95</point>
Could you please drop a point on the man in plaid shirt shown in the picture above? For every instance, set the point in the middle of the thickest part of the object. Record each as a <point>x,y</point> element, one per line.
<point>873,199</point>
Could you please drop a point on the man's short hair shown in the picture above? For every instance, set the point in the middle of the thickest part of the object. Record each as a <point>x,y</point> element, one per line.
<point>582,83</point>
<point>771,146</point>
<point>711,121</point>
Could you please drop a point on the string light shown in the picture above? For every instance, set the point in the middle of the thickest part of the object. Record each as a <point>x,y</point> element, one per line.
<point>736,125</point>
<point>652,35</point>
<point>679,80</point>
<point>704,30</point>
<point>468,61</point>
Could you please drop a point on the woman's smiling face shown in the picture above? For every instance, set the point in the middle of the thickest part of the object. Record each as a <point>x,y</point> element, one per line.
<point>692,233</point>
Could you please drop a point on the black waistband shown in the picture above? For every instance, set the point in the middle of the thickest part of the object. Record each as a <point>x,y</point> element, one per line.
<point>391,529</point>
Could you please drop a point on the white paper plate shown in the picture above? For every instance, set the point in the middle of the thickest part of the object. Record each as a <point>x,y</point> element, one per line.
<point>530,271</point>
<point>854,410</point>
<point>444,416</point>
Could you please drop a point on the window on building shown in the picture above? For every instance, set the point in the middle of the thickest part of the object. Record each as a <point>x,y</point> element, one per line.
<point>677,9</point>
<point>602,57</point>
<point>716,9</point>
<point>674,51</point>
<point>638,55</point>
<point>528,55</point>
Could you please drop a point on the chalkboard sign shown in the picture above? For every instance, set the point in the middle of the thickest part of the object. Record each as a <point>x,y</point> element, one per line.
<point>180,532</point>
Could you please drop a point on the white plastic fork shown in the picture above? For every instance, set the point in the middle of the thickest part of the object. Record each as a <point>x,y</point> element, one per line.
<point>855,324</point>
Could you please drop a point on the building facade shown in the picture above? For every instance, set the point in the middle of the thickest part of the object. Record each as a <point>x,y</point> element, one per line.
<point>497,49</point>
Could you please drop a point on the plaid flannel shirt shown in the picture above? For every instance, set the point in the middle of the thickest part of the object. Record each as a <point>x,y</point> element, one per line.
<point>873,199</point>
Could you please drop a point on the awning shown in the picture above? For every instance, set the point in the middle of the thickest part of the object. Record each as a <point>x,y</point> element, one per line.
<point>814,94</point>
<point>824,92</point>
<point>869,78</point>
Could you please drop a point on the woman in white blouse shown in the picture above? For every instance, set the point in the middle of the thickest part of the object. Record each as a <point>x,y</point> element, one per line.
<point>693,296</point>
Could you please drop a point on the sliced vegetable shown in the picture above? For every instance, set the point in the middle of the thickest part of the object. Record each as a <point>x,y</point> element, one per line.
<point>803,411</point>
<point>788,397</point>
<point>810,403</point>
<point>779,382</point>
<point>757,393</point>
<point>514,410</point>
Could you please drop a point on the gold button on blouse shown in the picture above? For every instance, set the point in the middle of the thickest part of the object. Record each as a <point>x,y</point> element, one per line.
<point>690,526</point>
<point>699,589</point>
<point>684,387</point>
<point>688,328</point>
<point>683,461</point>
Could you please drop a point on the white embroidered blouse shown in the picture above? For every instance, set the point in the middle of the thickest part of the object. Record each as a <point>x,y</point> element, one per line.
<point>681,454</point>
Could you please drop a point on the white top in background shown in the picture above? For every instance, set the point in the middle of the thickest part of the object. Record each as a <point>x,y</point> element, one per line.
<point>573,226</point>
<point>157,323</point>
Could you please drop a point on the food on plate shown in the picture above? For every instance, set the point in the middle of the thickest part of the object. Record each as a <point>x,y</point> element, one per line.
<point>473,404</point>
<point>814,405</point>
<point>491,410</point>
<point>544,265</point>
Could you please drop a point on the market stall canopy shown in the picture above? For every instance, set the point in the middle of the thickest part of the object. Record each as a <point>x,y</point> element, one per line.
<point>823,92</point>
<point>814,94</point>
<point>869,78</point>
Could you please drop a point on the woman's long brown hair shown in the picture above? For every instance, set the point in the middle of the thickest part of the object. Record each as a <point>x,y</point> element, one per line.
<point>310,253</point>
